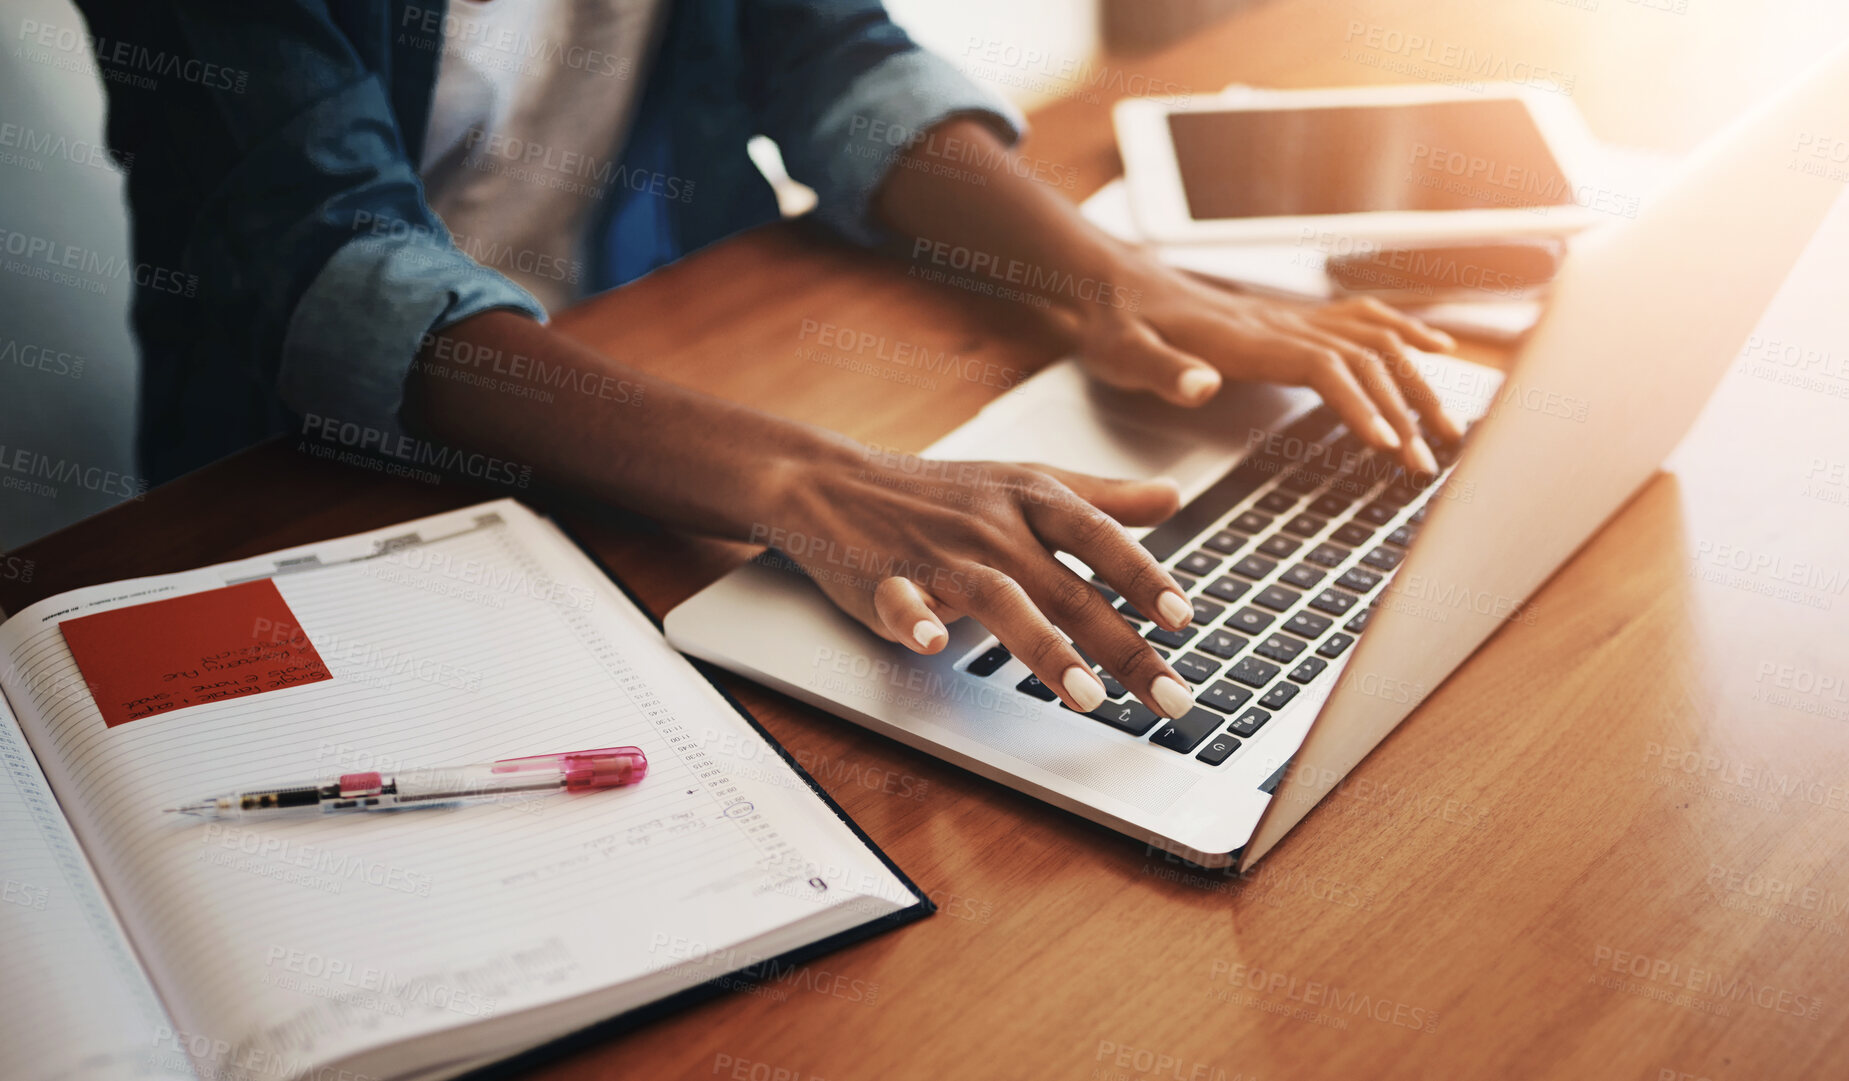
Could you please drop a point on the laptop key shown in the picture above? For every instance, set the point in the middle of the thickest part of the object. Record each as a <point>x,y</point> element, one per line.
<point>1132,717</point>
<point>1253,672</point>
<point>1353,535</point>
<point>1376,513</point>
<point>1330,504</point>
<point>1329,555</point>
<point>1333,601</point>
<point>1195,668</point>
<point>1277,598</point>
<point>1205,511</point>
<point>1218,749</point>
<point>1225,697</point>
<point>1130,612</point>
<point>1303,481</point>
<point>1402,536</point>
<point>1383,558</point>
<point>1226,542</point>
<point>1335,645</point>
<point>1184,581</point>
<point>1222,644</point>
<point>1280,648</point>
<point>1112,688</point>
<point>1248,723</point>
<point>1279,546</point>
<point>1309,669</point>
<point>1172,639</point>
<point>1308,624</point>
<point>1276,502</point>
<point>1185,733</point>
<point>1358,580</point>
<point>1306,525</point>
<point>1303,576</point>
<point>1254,567</point>
<point>1111,596</point>
<point>990,660</point>
<point>1205,611</point>
<point>1359,623</point>
<point>1251,522</point>
<point>1199,563</point>
<point>1248,621</point>
<point>1032,686</point>
<point>1279,696</point>
<point>1227,589</point>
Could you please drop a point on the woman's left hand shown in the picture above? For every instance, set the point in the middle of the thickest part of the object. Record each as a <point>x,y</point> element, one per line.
<point>1179,337</point>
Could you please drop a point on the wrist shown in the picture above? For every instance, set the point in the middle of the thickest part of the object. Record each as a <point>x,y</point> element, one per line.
<point>1111,283</point>
<point>780,482</point>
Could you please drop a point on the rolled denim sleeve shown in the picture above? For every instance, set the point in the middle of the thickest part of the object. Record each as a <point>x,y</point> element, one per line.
<point>860,136</point>
<point>844,91</point>
<point>291,198</point>
<point>359,325</point>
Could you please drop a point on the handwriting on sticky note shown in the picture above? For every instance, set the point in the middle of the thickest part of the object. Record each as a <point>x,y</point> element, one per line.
<point>204,647</point>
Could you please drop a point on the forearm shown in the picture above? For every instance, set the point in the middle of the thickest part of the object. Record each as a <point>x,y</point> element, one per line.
<point>972,214</point>
<point>605,430</point>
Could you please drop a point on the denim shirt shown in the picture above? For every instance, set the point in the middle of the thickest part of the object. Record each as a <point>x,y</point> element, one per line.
<point>275,173</point>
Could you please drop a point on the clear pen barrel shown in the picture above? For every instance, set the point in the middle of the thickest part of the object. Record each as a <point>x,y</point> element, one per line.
<point>479,782</point>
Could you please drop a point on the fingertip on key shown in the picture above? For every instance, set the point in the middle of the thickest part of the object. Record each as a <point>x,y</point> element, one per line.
<point>1086,691</point>
<point>1175,609</point>
<point>1173,699</point>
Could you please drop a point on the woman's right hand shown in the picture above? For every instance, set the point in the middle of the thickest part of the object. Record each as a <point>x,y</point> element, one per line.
<point>902,544</point>
<point>906,545</point>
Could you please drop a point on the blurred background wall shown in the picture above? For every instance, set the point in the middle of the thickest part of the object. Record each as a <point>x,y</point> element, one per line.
<point>67,363</point>
<point>1654,73</point>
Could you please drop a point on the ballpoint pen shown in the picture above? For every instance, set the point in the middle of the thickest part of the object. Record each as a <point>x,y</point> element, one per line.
<point>570,771</point>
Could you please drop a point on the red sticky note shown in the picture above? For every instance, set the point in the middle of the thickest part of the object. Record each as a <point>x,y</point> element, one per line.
<point>225,643</point>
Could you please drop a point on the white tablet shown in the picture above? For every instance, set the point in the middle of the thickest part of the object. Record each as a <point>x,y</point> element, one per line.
<point>1394,162</point>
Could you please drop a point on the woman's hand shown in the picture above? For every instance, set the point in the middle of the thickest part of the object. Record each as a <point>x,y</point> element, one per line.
<point>1174,334</point>
<point>906,545</point>
<point>903,544</point>
<point>1180,338</point>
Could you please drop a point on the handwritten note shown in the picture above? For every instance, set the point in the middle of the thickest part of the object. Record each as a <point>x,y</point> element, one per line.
<point>153,658</point>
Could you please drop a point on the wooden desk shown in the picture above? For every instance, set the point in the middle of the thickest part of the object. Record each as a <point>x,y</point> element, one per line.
<point>1620,778</point>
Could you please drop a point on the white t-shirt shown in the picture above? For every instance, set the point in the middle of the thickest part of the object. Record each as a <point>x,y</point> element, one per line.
<point>532,105</point>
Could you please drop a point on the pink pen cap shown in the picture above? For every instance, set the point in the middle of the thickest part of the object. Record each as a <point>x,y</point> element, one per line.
<point>585,771</point>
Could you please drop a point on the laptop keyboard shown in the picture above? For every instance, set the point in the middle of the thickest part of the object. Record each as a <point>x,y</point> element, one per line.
<point>1283,559</point>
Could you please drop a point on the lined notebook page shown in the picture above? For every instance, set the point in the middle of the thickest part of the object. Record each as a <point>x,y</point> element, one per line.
<point>283,943</point>
<point>75,1005</point>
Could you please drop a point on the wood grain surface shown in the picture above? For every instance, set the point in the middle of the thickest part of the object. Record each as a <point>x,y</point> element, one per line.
<point>1615,844</point>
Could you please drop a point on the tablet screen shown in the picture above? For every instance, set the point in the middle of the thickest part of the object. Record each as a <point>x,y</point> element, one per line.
<point>1442,155</point>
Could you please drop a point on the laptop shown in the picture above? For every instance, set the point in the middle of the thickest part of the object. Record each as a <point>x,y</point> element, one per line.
<point>1333,593</point>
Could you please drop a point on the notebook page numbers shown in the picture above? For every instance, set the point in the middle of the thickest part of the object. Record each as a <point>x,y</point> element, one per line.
<point>704,772</point>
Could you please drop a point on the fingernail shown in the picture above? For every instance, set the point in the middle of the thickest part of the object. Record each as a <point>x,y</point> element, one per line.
<point>1448,341</point>
<point>1084,688</point>
<point>927,633</point>
<point>1174,608</point>
<point>1384,433</point>
<point>1199,383</point>
<point>1171,696</point>
<point>1422,456</point>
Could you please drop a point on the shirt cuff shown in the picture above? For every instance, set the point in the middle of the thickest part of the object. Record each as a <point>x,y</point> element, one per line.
<point>864,133</point>
<point>355,332</point>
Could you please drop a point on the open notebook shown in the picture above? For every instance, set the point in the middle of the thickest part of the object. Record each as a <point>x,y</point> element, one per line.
<point>403,944</point>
